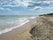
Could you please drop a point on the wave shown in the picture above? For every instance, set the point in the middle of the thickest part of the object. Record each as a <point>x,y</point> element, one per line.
<point>23,21</point>
<point>10,29</point>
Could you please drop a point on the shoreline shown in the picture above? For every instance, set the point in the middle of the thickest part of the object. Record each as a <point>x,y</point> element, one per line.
<point>14,27</point>
<point>17,31</point>
<point>10,29</point>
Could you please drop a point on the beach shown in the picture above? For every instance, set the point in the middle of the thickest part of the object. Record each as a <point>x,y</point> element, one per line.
<point>20,33</point>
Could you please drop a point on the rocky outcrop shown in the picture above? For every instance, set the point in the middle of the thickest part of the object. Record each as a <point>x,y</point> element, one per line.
<point>43,29</point>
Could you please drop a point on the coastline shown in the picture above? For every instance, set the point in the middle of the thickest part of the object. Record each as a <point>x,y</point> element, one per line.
<point>18,32</point>
<point>10,29</point>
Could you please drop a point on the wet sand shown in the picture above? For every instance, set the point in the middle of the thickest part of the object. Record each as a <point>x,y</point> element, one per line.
<point>20,33</point>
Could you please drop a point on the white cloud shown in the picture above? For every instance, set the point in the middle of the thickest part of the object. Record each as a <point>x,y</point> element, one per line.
<point>10,5</point>
<point>26,3</point>
<point>22,3</point>
<point>1,8</point>
<point>37,8</point>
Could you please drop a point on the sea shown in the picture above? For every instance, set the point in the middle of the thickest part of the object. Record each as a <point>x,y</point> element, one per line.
<point>9,22</point>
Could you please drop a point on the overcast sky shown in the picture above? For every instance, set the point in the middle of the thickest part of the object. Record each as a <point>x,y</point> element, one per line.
<point>25,7</point>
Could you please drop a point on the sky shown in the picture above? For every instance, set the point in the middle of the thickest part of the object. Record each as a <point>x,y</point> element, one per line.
<point>26,7</point>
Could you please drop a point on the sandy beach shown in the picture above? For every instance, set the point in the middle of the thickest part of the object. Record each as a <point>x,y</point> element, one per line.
<point>20,33</point>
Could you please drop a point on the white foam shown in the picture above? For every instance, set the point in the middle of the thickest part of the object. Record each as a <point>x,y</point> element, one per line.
<point>32,17</point>
<point>21,22</point>
<point>9,29</point>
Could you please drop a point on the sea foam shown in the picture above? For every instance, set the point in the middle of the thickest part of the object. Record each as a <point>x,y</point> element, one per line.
<point>10,29</point>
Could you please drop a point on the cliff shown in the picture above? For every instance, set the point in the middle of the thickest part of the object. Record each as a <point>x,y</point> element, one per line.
<point>43,29</point>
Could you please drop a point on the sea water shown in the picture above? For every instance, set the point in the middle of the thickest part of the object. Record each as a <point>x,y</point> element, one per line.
<point>9,22</point>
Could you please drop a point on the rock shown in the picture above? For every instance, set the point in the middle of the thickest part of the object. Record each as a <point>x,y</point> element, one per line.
<point>43,29</point>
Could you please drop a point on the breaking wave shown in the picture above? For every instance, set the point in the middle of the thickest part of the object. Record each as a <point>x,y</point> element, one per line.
<point>21,22</point>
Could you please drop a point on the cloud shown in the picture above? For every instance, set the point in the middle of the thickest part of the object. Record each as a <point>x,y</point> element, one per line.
<point>37,8</point>
<point>8,9</point>
<point>1,8</point>
<point>23,3</point>
<point>33,4</point>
